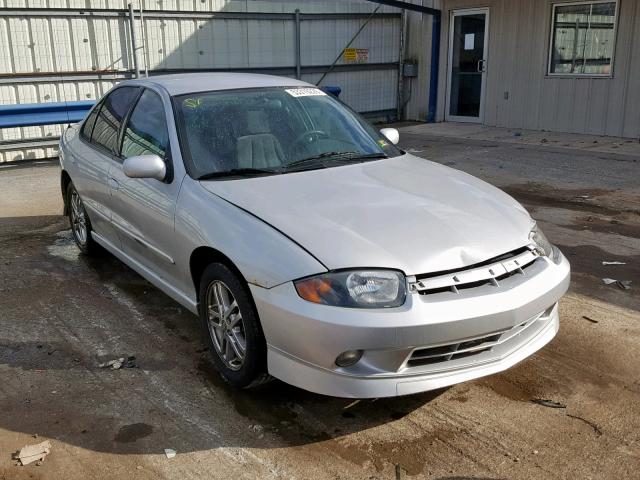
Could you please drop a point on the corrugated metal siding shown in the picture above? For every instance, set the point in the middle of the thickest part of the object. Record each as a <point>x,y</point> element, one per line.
<point>367,91</point>
<point>418,49</point>
<point>59,44</point>
<point>90,44</point>
<point>56,44</point>
<point>517,64</point>
<point>321,40</point>
<point>272,6</point>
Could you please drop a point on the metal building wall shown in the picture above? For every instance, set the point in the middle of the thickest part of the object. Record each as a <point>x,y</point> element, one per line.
<point>418,29</point>
<point>519,35</point>
<point>54,51</point>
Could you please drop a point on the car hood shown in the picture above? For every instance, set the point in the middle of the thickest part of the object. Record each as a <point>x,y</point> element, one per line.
<point>405,213</point>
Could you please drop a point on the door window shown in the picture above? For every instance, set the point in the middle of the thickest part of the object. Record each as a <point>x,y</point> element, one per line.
<point>87,126</point>
<point>146,132</point>
<point>109,119</point>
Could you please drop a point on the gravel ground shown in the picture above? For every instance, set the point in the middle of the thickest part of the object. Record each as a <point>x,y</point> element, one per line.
<point>62,314</point>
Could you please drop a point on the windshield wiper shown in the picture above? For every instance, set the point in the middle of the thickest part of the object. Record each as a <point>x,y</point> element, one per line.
<point>323,158</point>
<point>238,172</point>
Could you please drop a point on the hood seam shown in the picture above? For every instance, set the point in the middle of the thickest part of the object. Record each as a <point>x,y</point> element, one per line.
<point>269,224</point>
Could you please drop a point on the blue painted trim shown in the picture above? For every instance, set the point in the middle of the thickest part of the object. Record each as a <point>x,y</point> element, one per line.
<point>435,68</point>
<point>36,114</point>
<point>335,91</point>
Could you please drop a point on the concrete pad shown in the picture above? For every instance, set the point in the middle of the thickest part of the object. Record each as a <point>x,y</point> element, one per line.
<point>63,314</point>
<point>474,131</point>
<point>30,189</point>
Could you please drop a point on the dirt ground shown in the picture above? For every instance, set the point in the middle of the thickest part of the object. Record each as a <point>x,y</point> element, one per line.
<point>62,314</point>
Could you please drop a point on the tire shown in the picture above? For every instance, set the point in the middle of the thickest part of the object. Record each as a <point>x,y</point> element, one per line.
<point>233,331</point>
<point>80,223</point>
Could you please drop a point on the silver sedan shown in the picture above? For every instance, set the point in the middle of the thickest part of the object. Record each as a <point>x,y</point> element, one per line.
<point>311,247</point>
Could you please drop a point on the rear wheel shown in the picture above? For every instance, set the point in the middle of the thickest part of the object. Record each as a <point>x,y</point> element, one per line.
<point>232,327</point>
<point>80,223</point>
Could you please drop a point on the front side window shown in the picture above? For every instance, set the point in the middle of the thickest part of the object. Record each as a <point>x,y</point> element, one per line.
<point>146,131</point>
<point>109,119</point>
<point>583,38</point>
<point>272,130</point>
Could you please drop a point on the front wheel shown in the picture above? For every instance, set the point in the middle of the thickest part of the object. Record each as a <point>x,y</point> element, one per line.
<point>232,327</point>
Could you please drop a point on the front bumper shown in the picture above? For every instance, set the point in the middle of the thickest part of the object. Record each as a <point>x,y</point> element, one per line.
<point>514,320</point>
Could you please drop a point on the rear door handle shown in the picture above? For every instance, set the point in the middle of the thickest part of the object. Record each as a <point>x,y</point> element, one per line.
<point>113,184</point>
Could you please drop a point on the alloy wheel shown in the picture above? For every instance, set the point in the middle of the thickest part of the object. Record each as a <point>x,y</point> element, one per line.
<point>78,218</point>
<point>226,327</point>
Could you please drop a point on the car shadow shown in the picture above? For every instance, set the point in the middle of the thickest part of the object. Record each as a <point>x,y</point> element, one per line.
<point>62,315</point>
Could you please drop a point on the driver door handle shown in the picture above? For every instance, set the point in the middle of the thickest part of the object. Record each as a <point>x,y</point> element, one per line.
<point>114,184</point>
<point>482,65</point>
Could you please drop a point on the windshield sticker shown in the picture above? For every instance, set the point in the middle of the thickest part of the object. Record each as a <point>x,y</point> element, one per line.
<point>305,92</point>
<point>382,143</point>
<point>192,102</point>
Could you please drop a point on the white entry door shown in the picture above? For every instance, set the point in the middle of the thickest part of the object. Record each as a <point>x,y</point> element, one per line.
<point>466,79</point>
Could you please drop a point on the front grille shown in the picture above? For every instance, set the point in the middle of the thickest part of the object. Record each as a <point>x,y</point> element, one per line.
<point>486,273</point>
<point>469,347</point>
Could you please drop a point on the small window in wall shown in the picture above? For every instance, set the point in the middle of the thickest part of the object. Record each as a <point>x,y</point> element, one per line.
<point>583,38</point>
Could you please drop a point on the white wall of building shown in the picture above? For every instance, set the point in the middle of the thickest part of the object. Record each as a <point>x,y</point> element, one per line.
<point>519,92</point>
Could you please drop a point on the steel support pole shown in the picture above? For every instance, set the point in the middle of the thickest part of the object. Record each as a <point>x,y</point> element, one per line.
<point>134,47</point>
<point>400,93</point>
<point>298,46</point>
<point>435,67</point>
<point>143,30</point>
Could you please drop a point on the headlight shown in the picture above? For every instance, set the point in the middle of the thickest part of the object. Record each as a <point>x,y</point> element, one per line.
<point>355,288</point>
<point>544,246</point>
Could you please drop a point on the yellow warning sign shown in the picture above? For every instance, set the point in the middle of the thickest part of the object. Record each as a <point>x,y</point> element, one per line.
<point>356,55</point>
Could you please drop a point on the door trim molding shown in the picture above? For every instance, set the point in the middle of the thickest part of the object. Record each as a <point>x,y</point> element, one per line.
<point>447,106</point>
<point>142,242</point>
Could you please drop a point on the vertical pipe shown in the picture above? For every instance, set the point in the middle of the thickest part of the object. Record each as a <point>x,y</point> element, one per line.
<point>575,45</point>
<point>435,67</point>
<point>298,46</point>
<point>400,100</point>
<point>134,47</point>
<point>145,57</point>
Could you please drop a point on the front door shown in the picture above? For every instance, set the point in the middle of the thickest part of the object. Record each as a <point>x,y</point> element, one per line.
<point>143,208</point>
<point>468,38</point>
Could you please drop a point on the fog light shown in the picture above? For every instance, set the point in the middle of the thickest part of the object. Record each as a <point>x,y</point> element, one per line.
<point>348,358</point>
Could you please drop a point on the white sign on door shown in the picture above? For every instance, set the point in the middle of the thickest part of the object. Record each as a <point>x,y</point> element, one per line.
<point>469,41</point>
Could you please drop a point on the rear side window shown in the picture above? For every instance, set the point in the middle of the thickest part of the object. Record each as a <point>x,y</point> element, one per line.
<point>109,119</point>
<point>146,132</point>
<point>87,126</point>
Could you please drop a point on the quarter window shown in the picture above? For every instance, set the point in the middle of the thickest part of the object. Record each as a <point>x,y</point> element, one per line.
<point>146,132</point>
<point>113,110</point>
<point>582,38</point>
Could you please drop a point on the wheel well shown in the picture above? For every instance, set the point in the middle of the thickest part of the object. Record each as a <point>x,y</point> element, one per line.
<point>65,180</point>
<point>201,258</point>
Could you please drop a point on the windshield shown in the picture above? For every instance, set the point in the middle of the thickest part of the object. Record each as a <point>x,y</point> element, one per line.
<point>272,130</point>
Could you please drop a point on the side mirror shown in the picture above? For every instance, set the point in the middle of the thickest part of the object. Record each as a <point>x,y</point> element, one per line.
<point>145,166</point>
<point>391,134</point>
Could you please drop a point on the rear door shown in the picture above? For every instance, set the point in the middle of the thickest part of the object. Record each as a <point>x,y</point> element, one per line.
<point>93,157</point>
<point>143,208</point>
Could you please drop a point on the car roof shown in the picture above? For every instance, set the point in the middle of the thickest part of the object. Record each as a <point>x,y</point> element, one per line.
<point>185,83</point>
